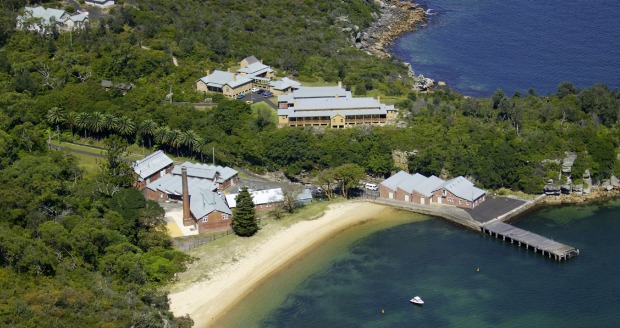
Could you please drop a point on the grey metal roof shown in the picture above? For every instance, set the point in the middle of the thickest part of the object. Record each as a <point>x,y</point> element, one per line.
<point>305,194</point>
<point>255,69</point>
<point>151,164</point>
<point>336,103</point>
<point>332,113</point>
<point>429,185</point>
<point>205,201</point>
<point>251,59</point>
<point>172,184</point>
<point>46,14</point>
<point>411,182</point>
<point>393,181</point>
<point>283,84</point>
<point>195,170</point>
<point>220,78</point>
<point>319,92</point>
<point>206,171</point>
<point>463,188</point>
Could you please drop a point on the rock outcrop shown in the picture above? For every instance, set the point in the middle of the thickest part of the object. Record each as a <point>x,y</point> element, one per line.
<point>396,18</point>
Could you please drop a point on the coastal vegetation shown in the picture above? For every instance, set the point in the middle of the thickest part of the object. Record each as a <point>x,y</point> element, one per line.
<point>90,250</point>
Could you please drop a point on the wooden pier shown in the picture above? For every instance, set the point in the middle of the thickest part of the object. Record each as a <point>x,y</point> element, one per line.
<point>525,238</point>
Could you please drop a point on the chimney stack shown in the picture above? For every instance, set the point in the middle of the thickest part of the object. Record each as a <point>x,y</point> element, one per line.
<point>228,70</point>
<point>186,213</point>
<point>340,84</point>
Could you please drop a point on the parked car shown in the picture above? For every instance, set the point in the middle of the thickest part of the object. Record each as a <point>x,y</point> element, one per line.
<point>240,96</point>
<point>260,91</point>
<point>249,102</point>
<point>255,89</point>
<point>371,186</point>
<point>267,94</point>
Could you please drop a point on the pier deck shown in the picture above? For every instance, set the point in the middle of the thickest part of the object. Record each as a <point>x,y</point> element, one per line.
<point>528,239</point>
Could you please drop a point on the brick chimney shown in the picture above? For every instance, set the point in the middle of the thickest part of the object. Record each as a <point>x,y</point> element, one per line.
<point>186,214</point>
<point>340,84</point>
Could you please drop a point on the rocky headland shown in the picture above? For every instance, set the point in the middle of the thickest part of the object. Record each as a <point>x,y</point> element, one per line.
<point>395,19</point>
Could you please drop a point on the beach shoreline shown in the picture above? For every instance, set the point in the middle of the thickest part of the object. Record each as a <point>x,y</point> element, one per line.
<point>207,302</point>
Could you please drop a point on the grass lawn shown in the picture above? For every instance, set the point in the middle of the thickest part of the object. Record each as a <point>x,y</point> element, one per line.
<point>89,164</point>
<point>257,106</point>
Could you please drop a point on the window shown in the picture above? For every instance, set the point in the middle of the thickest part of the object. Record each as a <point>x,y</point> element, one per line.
<point>460,202</point>
<point>205,219</point>
<point>224,216</point>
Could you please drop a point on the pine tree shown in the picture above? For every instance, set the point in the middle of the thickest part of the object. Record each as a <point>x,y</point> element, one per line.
<point>244,217</point>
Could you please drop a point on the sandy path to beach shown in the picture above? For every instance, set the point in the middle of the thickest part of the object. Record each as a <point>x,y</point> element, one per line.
<point>207,301</point>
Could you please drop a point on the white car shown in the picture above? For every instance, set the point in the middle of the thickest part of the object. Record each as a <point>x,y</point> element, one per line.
<point>371,186</point>
<point>254,89</point>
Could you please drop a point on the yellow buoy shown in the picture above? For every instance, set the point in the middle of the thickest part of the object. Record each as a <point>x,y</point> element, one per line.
<point>382,311</point>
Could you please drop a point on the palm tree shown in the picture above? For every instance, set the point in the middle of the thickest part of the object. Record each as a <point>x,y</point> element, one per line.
<point>96,123</point>
<point>161,135</point>
<point>109,122</point>
<point>199,146</point>
<point>190,139</point>
<point>71,120</point>
<point>125,126</point>
<point>147,128</point>
<point>175,139</point>
<point>83,122</point>
<point>56,116</point>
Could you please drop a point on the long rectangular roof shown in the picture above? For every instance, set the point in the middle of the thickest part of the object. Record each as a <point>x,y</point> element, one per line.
<point>172,184</point>
<point>332,113</point>
<point>260,197</point>
<point>336,103</point>
<point>220,78</point>
<point>319,92</point>
<point>151,164</point>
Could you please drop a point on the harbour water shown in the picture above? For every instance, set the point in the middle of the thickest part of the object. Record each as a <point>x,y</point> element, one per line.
<point>479,46</point>
<point>349,281</point>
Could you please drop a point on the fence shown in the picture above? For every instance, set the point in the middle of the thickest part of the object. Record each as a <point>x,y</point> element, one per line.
<point>188,243</point>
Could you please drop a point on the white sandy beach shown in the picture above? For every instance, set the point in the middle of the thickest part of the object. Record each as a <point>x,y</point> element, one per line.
<point>207,301</point>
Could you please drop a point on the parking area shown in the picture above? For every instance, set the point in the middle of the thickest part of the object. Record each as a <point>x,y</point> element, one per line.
<point>492,207</point>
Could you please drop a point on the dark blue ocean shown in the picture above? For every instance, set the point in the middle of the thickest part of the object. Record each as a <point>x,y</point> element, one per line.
<point>480,46</point>
<point>438,261</point>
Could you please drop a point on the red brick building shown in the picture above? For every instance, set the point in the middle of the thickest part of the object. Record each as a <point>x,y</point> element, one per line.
<point>208,212</point>
<point>432,190</point>
<point>151,168</point>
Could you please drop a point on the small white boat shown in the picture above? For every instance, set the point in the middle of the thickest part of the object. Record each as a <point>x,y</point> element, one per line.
<point>417,300</point>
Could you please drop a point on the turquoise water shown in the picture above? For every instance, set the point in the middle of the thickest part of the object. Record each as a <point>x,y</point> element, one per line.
<point>479,46</point>
<point>438,261</point>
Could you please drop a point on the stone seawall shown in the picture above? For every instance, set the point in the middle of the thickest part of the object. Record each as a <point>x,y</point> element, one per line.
<point>447,212</point>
